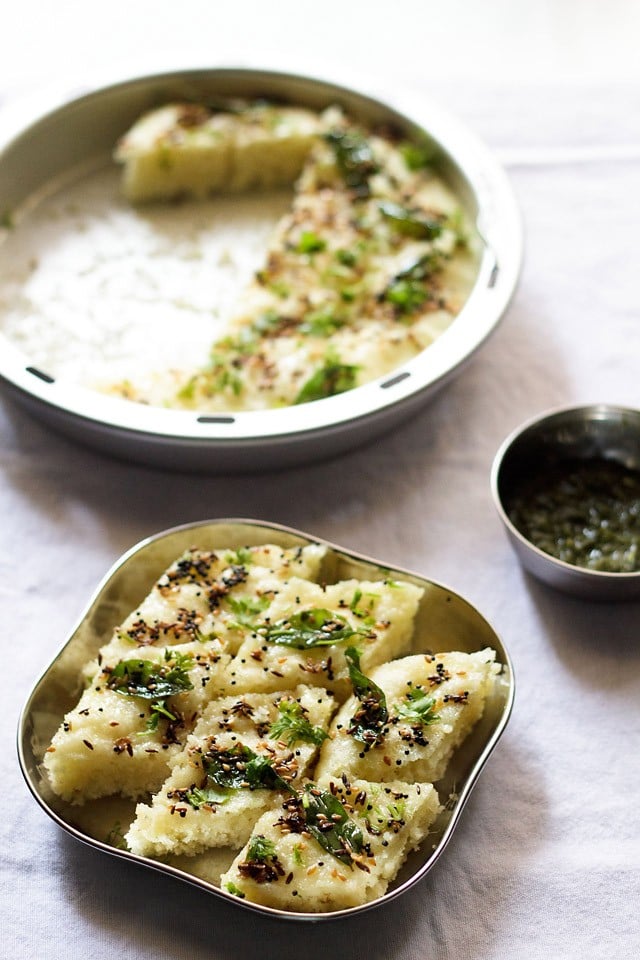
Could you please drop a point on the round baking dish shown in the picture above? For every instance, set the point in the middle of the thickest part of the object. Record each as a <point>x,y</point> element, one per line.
<point>82,132</point>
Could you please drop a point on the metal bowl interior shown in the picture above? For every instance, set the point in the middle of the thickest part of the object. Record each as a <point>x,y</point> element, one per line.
<point>65,142</point>
<point>572,433</point>
<point>445,621</point>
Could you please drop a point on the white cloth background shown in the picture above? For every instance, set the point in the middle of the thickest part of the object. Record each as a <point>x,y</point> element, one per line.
<point>546,861</point>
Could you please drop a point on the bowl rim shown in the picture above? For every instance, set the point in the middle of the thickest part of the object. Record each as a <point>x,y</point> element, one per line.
<point>508,444</point>
<point>499,226</point>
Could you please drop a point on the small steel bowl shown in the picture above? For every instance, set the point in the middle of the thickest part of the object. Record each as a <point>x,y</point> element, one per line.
<point>569,433</point>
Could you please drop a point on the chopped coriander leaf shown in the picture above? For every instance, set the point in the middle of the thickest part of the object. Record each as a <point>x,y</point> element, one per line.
<point>417,707</point>
<point>330,379</point>
<point>297,855</point>
<point>236,891</point>
<point>246,609</point>
<point>292,725</point>
<point>407,296</point>
<point>363,613</point>
<point>367,723</point>
<point>242,556</point>
<point>346,257</point>
<point>115,837</point>
<point>260,849</point>
<point>267,322</point>
<point>321,323</point>
<point>417,155</point>
<point>205,796</point>
<point>309,628</point>
<point>408,290</point>
<point>354,159</point>
<point>151,680</point>
<point>310,242</point>
<point>239,768</point>
<point>343,838</point>
<point>157,710</point>
<point>411,223</point>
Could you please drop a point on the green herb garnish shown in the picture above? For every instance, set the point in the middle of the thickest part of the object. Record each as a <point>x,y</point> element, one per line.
<point>309,628</point>
<point>354,159</point>
<point>115,837</point>
<point>246,609</point>
<point>239,768</point>
<point>236,891</point>
<point>330,379</point>
<point>205,796</point>
<point>346,257</point>
<point>367,723</point>
<point>310,242</point>
<point>260,849</point>
<point>151,680</point>
<point>409,289</point>
<point>328,822</point>
<point>417,707</point>
<point>411,223</point>
<point>417,155</point>
<point>242,556</point>
<point>292,725</point>
<point>321,323</point>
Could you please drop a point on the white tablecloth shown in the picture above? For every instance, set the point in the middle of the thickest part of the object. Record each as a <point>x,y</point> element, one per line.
<point>546,861</point>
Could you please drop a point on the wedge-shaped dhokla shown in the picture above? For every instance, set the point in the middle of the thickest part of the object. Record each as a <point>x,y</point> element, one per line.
<point>133,717</point>
<point>184,149</point>
<point>295,861</point>
<point>209,596</point>
<point>309,627</point>
<point>406,719</point>
<point>243,749</point>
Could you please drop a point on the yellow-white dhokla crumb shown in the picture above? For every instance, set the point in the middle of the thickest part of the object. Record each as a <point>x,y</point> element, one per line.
<point>134,716</point>
<point>186,149</point>
<point>410,718</point>
<point>242,749</point>
<point>309,627</point>
<point>334,846</point>
<point>208,596</point>
<point>372,262</point>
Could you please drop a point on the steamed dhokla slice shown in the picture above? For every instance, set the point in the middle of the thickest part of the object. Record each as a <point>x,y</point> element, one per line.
<point>184,149</point>
<point>295,861</point>
<point>134,716</point>
<point>243,749</point>
<point>406,719</point>
<point>309,627</point>
<point>208,595</point>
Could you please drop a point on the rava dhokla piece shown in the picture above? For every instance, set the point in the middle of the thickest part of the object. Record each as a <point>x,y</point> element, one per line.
<point>309,627</point>
<point>188,149</point>
<point>407,717</point>
<point>210,596</point>
<point>134,716</point>
<point>333,845</point>
<point>371,263</point>
<point>243,751</point>
<point>163,664</point>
